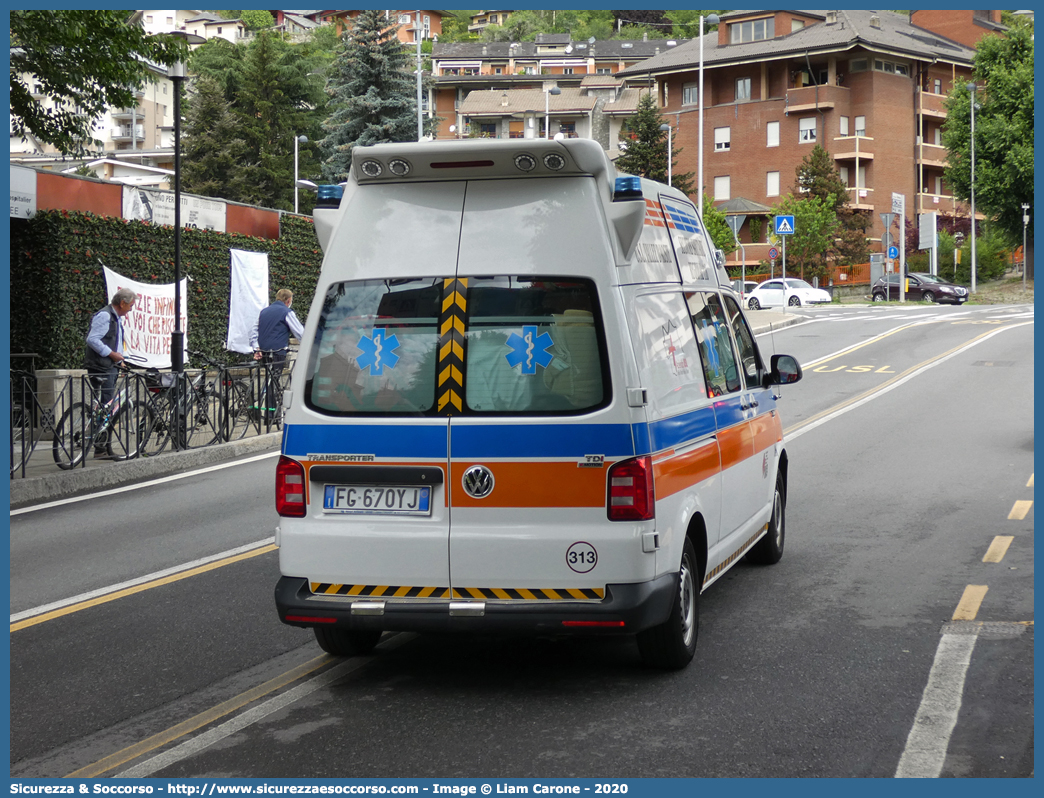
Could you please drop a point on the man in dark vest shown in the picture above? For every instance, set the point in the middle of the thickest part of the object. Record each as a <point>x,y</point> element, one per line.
<point>270,337</point>
<point>104,350</point>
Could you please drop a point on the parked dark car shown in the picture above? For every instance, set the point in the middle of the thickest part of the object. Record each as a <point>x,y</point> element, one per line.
<point>922,287</point>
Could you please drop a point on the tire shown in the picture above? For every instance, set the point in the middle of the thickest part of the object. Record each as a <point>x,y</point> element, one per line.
<point>198,425</point>
<point>235,419</point>
<point>346,642</point>
<point>130,431</point>
<point>794,302</point>
<point>769,550</point>
<point>73,435</point>
<point>672,644</point>
<point>878,297</point>
<point>928,296</point>
<point>159,426</point>
<point>753,304</point>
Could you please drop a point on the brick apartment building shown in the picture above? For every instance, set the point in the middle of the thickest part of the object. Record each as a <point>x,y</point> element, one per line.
<point>869,86</point>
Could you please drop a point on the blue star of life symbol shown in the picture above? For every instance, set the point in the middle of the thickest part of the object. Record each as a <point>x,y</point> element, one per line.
<point>377,352</point>
<point>528,350</point>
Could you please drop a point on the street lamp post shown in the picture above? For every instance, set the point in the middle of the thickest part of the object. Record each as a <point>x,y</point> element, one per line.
<point>670,153</point>
<point>418,30</point>
<point>177,337</point>
<point>713,20</point>
<point>1025,222</point>
<point>297,140</point>
<point>547,109</point>
<point>971,88</point>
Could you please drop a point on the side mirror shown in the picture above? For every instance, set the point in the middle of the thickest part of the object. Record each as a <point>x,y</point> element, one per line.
<point>785,370</point>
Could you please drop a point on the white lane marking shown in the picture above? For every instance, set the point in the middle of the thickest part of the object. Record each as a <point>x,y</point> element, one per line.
<point>253,715</point>
<point>104,591</point>
<point>136,486</point>
<point>877,394</point>
<point>936,717</point>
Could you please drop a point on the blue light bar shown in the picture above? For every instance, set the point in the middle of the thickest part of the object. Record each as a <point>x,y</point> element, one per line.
<point>329,196</point>
<point>627,188</point>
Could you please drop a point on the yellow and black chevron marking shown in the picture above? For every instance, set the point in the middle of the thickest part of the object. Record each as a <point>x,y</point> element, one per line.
<point>504,594</point>
<point>451,346</point>
<point>734,556</point>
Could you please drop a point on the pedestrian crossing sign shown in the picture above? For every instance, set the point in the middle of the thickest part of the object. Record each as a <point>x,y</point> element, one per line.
<point>784,225</point>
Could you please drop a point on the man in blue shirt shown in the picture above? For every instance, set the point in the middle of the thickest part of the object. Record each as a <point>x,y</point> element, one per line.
<point>270,337</point>
<point>104,350</point>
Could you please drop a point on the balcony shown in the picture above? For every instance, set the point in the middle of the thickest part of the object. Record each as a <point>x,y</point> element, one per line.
<point>123,133</point>
<point>853,148</point>
<point>861,199</point>
<point>128,113</point>
<point>815,98</point>
<point>933,155</point>
<point>933,105</point>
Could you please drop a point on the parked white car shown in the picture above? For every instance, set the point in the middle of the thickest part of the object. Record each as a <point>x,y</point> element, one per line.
<point>773,294</point>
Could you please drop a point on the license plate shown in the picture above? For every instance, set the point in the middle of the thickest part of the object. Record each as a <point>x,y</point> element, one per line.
<point>377,499</point>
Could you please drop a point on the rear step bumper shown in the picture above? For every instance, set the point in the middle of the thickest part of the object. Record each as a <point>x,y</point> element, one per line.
<point>638,606</point>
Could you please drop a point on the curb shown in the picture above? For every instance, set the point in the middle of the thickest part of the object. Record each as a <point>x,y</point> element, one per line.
<point>79,481</point>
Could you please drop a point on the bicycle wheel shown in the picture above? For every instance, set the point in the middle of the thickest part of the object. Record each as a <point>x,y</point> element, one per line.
<point>130,430</point>
<point>158,438</point>
<point>198,425</point>
<point>73,436</point>
<point>235,419</point>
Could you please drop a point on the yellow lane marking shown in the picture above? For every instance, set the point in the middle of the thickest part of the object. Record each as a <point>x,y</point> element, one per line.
<point>998,548</point>
<point>1020,510</point>
<point>83,605</point>
<point>1030,483</point>
<point>884,385</point>
<point>968,607</point>
<point>200,720</point>
<point>865,343</point>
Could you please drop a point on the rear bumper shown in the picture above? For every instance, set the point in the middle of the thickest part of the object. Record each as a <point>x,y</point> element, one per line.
<point>629,608</point>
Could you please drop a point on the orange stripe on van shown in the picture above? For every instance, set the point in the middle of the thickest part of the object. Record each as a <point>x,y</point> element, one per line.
<point>767,431</point>
<point>534,485</point>
<point>683,471</point>
<point>736,444</point>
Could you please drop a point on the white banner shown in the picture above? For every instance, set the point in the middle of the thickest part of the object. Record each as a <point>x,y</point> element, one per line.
<point>23,192</point>
<point>147,328</point>
<point>249,296</point>
<point>149,205</point>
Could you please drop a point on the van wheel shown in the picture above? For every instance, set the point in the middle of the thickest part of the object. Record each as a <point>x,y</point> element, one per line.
<point>346,642</point>
<point>769,550</point>
<point>671,645</point>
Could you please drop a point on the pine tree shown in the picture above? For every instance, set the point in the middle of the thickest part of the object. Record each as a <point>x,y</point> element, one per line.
<point>213,150</point>
<point>373,93</point>
<point>646,154</point>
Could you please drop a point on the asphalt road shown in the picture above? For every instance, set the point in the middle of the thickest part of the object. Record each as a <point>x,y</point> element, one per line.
<point>911,447</point>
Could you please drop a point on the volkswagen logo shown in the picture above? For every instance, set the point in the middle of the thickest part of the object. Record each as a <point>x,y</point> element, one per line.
<point>478,482</point>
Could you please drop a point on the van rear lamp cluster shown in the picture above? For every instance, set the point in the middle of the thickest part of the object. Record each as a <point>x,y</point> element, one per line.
<point>631,494</point>
<point>627,188</point>
<point>290,488</point>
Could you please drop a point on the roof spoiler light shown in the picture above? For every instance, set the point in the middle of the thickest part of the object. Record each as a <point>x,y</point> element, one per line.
<point>329,196</point>
<point>627,188</point>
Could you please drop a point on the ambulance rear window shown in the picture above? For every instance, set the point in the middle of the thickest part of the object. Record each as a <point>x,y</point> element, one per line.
<point>491,345</point>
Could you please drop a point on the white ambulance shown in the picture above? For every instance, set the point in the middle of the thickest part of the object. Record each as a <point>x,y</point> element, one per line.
<point>527,401</point>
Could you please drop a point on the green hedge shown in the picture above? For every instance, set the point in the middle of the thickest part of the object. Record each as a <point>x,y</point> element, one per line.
<point>57,282</point>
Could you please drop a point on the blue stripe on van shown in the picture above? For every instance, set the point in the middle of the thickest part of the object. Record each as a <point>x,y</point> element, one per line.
<point>421,441</point>
<point>473,441</point>
<point>728,411</point>
<point>680,429</point>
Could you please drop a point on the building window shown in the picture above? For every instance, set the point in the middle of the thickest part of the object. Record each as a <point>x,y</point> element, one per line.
<point>858,65</point>
<point>666,96</point>
<point>690,94</point>
<point>722,136</point>
<point>938,86</point>
<point>568,129</point>
<point>938,185</point>
<point>772,134</point>
<point>567,70</point>
<point>796,25</point>
<point>844,125</point>
<point>722,188</point>
<point>752,31</point>
<point>860,125</point>
<point>742,89</point>
<point>219,31</point>
<point>170,20</point>
<point>938,137</point>
<point>603,71</point>
<point>772,184</point>
<point>488,130</point>
<point>807,130</point>
<point>843,173</point>
<point>891,67</point>
<point>497,71</point>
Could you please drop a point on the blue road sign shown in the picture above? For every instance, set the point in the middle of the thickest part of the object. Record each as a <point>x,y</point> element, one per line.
<point>784,225</point>
<point>893,252</point>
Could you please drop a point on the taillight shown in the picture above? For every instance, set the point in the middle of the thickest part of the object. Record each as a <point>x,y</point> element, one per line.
<point>290,488</point>
<point>631,494</point>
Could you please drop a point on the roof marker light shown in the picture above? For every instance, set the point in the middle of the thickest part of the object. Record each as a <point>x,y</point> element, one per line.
<point>372,168</point>
<point>525,162</point>
<point>399,167</point>
<point>627,188</point>
<point>554,161</point>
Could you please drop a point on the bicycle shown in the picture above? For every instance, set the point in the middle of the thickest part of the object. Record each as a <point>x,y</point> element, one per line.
<point>182,411</point>
<point>268,388</point>
<point>121,425</point>
<point>26,411</point>
<point>234,393</point>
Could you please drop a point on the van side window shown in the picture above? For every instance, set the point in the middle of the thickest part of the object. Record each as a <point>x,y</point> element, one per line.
<point>748,351</point>
<point>533,346</point>
<point>712,333</point>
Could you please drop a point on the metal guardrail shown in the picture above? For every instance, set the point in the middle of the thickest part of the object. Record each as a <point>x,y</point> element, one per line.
<point>152,412</point>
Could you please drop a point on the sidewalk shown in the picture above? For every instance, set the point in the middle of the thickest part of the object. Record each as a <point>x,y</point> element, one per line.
<point>44,481</point>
